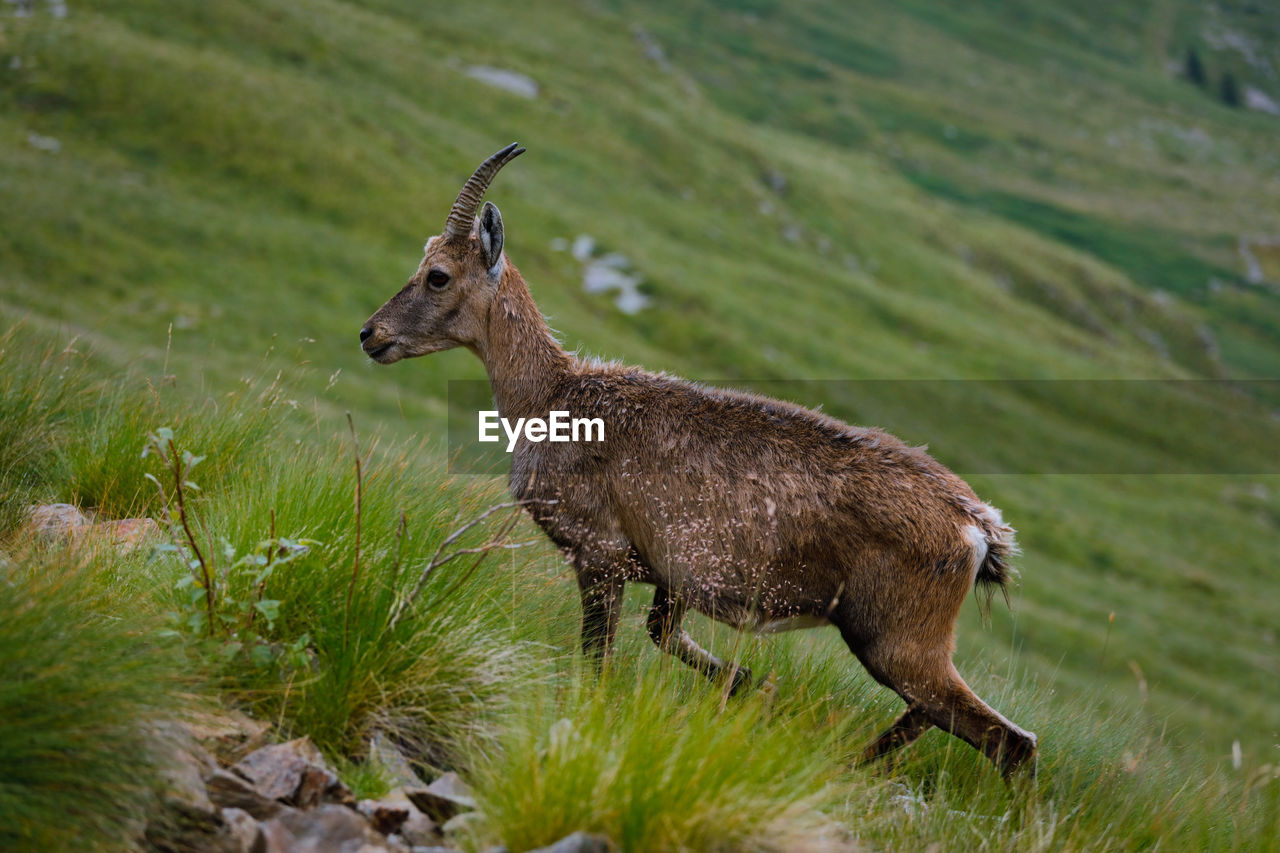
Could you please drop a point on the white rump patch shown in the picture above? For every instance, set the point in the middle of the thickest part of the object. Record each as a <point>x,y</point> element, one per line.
<point>992,515</point>
<point>978,542</point>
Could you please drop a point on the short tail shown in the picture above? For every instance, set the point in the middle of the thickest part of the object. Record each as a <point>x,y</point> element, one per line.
<point>995,571</point>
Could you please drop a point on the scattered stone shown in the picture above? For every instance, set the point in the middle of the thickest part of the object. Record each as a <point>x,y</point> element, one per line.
<point>327,829</point>
<point>420,830</point>
<point>44,143</point>
<point>461,824</point>
<point>55,521</point>
<point>384,817</point>
<point>443,798</point>
<point>295,774</point>
<point>232,792</point>
<point>384,752</point>
<point>122,536</point>
<point>613,271</point>
<point>1256,99</point>
<point>245,830</point>
<point>228,735</point>
<point>599,277</point>
<point>504,79</point>
<point>188,820</point>
<point>184,789</point>
<point>776,181</point>
<point>584,246</point>
<point>650,46</point>
<point>579,842</point>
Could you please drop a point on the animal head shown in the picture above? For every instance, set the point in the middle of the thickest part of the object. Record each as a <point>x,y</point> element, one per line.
<point>446,302</point>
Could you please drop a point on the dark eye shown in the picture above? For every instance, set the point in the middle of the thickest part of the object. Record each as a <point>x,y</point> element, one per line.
<point>438,279</point>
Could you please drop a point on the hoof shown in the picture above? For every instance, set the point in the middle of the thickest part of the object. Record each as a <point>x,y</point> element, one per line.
<point>741,680</point>
<point>1018,758</point>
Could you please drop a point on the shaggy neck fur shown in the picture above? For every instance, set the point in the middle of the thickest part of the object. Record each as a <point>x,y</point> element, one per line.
<point>520,354</point>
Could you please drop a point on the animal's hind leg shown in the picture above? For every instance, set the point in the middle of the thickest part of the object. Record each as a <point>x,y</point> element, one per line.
<point>664,628</point>
<point>957,709</point>
<point>937,695</point>
<point>913,723</point>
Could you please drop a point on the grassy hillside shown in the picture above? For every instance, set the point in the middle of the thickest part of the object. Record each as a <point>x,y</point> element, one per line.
<point>819,191</point>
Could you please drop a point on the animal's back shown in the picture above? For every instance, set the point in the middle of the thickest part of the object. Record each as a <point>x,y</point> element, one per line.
<point>749,503</point>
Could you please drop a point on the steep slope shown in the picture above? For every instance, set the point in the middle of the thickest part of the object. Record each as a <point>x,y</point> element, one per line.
<point>809,191</point>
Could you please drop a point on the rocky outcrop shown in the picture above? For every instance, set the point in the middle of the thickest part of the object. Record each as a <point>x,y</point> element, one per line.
<point>67,524</point>
<point>284,798</point>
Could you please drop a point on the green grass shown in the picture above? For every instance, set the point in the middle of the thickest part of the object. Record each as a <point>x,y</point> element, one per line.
<point>480,674</point>
<point>994,191</point>
<point>89,700</point>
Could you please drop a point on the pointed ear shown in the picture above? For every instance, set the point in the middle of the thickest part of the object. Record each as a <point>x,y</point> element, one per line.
<point>491,238</point>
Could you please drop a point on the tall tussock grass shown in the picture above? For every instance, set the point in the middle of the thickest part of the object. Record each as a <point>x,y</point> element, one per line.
<point>434,668</point>
<point>347,635</point>
<point>34,392</point>
<point>655,767</point>
<point>89,688</point>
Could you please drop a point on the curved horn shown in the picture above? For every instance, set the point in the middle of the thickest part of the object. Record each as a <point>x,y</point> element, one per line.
<point>463,214</point>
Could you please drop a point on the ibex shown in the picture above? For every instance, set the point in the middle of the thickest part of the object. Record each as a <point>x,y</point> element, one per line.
<point>758,513</point>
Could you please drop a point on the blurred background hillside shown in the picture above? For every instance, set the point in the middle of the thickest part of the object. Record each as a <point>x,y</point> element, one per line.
<point>750,190</point>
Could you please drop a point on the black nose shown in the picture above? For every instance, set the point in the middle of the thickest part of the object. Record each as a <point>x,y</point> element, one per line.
<point>365,333</point>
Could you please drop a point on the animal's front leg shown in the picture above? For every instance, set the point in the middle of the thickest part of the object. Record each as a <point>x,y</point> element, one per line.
<point>666,632</point>
<point>601,603</point>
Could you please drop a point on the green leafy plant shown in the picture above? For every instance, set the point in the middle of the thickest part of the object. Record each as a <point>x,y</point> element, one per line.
<point>229,607</point>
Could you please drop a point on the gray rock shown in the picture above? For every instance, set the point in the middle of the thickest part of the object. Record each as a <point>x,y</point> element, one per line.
<point>229,735</point>
<point>442,799</point>
<point>385,817</point>
<point>504,79</point>
<point>294,773</point>
<point>579,842</point>
<point>420,830</point>
<point>183,777</point>
<point>188,819</point>
<point>385,753</point>
<point>462,824</point>
<point>123,535</point>
<point>245,830</point>
<point>232,792</point>
<point>326,829</point>
<point>776,181</point>
<point>55,521</point>
<point>47,144</point>
<point>651,47</point>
